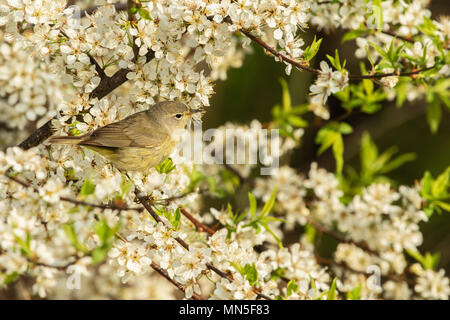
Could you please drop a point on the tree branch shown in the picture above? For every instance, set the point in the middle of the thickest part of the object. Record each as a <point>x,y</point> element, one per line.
<point>173,281</point>
<point>343,265</point>
<point>74,201</point>
<point>98,68</point>
<point>303,67</point>
<point>341,238</point>
<point>201,227</point>
<point>143,200</point>
<point>106,86</point>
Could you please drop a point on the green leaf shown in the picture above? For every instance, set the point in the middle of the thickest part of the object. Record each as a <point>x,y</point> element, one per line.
<point>444,99</point>
<point>332,292</point>
<point>442,86</point>
<point>441,184</point>
<point>331,136</point>
<point>429,261</point>
<point>345,128</point>
<point>25,244</point>
<point>125,187</point>
<point>335,61</point>
<point>428,27</point>
<point>277,273</point>
<point>368,86</point>
<point>87,188</point>
<point>251,273</point>
<point>286,97</point>
<point>355,293</point>
<point>176,219</point>
<point>338,152</point>
<point>380,51</point>
<point>144,13</point>
<point>292,287</point>
<point>325,137</point>
<point>10,278</point>
<point>106,236</point>
<point>239,217</point>
<point>69,229</point>
<point>252,201</point>
<point>277,240</point>
<point>398,162</point>
<point>353,34</point>
<point>444,205</point>
<point>270,203</point>
<point>434,113</point>
<point>297,121</point>
<point>401,89</point>
<point>166,166</point>
<point>238,267</point>
<point>311,51</point>
<point>427,184</point>
<point>369,153</point>
<point>370,108</point>
<point>98,255</point>
<point>310,233</point>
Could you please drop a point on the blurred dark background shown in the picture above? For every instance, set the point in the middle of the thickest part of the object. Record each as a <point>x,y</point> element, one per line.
<point>251,91</point>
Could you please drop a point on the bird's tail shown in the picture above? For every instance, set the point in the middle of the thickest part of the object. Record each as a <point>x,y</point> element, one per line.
<point>66,140</point>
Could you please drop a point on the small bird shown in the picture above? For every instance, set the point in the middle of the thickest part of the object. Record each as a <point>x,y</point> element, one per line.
<point>140,141</point>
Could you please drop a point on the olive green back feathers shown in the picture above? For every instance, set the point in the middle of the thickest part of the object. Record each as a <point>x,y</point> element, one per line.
<point>139,141</point>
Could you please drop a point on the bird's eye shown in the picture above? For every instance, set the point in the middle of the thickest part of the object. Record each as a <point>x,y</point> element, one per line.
<point>178,116</point>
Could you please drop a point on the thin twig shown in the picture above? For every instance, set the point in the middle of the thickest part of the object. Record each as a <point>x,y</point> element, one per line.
<point>283,57</point>
<point>74,201</point>
<point>182,195</point>
<point>343,265</point>
<point>173,281</point>
<point>201,227</point>
<point>340,237</point>
<point>101,73</point>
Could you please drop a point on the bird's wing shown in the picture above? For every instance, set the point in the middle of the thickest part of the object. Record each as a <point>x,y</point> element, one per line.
<point>133,131</point>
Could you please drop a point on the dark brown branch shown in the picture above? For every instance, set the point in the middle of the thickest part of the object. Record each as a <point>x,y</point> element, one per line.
<point>383,75</point>
<point>341,238</point>
<point>173,281</point>
<point>277,54</point>
<point>101,73</point>
<point>100,206</point>
<point>201,227</point>
<point>132,19</point>
<point>180,196</point>
<point>106,86</point>
<point>298,65</point>
<point>327,2</point>
<point>60,268</point>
